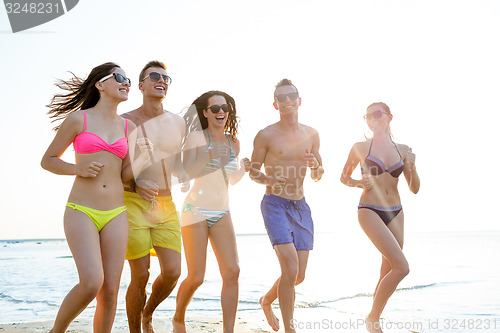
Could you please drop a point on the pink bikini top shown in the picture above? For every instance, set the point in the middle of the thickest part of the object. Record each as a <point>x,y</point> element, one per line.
<point>87,142</point>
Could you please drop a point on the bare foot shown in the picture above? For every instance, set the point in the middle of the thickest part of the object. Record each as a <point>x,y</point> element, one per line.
<point>271,318</point>
<point>179,327</point>
<point>147,325</point>
<point>373,325</point>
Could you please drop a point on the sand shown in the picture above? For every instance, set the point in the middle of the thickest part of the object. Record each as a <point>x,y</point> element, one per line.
<point>252,321</point>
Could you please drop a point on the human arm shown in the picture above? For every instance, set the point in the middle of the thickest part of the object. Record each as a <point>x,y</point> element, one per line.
<point>178,171</point>
<point>243,165</point>
<point>51,160</point>
<point>313,159</point>
<point>260,151</point>
<point>410,171</point>
<point>352,162</point>
<point>195,155</point>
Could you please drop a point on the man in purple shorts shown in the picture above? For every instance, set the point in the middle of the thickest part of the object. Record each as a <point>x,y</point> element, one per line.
<point>287,149</point>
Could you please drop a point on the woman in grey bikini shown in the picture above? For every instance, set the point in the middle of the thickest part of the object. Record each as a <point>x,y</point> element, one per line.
<point>380,212</point>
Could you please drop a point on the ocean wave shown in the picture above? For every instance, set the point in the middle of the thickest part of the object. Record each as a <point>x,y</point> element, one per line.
<point>9,298</point>
<point>422,286</point>
<point>416,287</point>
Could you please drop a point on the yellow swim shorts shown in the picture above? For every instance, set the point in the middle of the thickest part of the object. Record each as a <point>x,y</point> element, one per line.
<point>150,225</point>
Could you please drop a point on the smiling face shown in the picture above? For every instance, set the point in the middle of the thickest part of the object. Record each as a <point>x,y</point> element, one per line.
<point>378,118</point>
<point>288,103</point>
<point>112,88</point>
<point>154,89</point>
<point>216,119</point>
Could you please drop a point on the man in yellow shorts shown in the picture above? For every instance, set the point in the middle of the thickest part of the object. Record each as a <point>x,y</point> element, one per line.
<point>153,218</point>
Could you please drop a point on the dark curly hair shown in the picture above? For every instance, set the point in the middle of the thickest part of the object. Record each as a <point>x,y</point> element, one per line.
<point>195,118</point>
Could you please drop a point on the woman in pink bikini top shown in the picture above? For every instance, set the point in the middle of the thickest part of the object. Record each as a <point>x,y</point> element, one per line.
<point>95,220</point>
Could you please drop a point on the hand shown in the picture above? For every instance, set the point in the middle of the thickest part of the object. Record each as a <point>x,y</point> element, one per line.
<point>183,179</point>
<point>410,159</point>
<point>89,169</point>
<point>185,186</point>
<point>367,183</point>
<point>221,150</point>
<point>147,189</point>
<point>245,163</point>
<point>310,160</point>
<point>278,183</point>
<point>145,145</point>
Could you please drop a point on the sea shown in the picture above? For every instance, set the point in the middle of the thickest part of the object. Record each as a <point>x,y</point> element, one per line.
<point>453,285</point>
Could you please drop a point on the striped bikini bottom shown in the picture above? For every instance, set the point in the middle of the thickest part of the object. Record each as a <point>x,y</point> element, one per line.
<point>212,216</point>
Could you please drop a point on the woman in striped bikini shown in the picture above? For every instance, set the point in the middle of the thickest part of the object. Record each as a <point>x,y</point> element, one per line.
<point>211,158</point>
<point>379,212</point>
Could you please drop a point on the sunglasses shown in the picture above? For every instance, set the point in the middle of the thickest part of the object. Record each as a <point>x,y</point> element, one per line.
<point>375,115</point>
<point>118,77</point>
<point>215,108</point>
<point>292,96</point>
<point>155,77</point>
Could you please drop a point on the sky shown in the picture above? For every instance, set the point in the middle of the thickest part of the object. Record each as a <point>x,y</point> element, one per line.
<point>435,63</point>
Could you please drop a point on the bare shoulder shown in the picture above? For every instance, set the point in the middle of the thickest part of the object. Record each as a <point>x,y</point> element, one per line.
<point>266,133</point>
<point>236,142</point>
<point>175,117</point>
<point>131,124</point>
<point>309,130</point>
<point>75,116</point>
<point>403,149</point>
<point>132,116</point>
<point>361,147</point>
<point>74,119</point>
<point>196,137</point>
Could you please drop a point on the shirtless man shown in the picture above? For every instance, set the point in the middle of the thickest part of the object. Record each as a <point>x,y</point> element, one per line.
<point>153,218</point>
<point>286,148</point>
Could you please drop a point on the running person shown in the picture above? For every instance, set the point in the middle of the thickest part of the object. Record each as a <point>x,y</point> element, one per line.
<point>380,212</point>
<point>211,158</point>
<point>286,148</point>
<point>95,221</point>
<point>153,218</point>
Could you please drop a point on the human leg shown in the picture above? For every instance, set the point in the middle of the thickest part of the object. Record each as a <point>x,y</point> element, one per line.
<point>223,242</point>
<point>289,263</point>
<point>170,264</point>
<point>138,247</point>
<point>166,240</point>
<point>382,237</point>
<point>267,300</point>
<point>195,240</point>
<point>397,230</point>
<point>113,241</point>
<point>83,241</point>
<point>136,292</point>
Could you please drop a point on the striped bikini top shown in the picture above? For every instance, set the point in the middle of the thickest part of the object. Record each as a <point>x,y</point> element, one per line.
<point>374,166</point>
<point>215,162</point>
<point>88,142</point>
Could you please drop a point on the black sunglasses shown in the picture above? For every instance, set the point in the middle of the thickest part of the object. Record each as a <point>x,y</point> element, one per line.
<point>375,115</point>
<point>292,96</point>
<point>215,108</point>
<point>118,77</point>
<point>155,77</point>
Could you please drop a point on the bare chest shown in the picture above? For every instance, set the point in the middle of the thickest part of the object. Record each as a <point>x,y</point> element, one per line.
<point>291,147</point>
<point>165,136</point>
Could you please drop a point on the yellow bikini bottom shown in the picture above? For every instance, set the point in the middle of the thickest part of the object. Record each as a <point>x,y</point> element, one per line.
<point>99,217</point>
